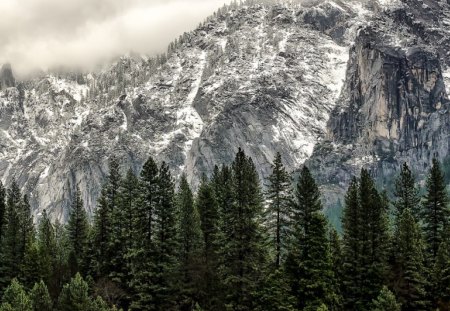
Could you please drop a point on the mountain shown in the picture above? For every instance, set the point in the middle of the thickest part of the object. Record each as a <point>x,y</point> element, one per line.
<point>338,84</point>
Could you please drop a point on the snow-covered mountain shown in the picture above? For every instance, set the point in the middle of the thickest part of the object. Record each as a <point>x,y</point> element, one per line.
<point>289,77</point>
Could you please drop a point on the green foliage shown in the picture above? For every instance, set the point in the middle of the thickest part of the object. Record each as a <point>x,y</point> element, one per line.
<point>191,245</point>
<point>243,255</point>
<point>408,272</point>
<point>279,211</point>
<point>226,248</point>
<point>40,297</point>
<point>441,277</point>
<point>365,243</point>
<point>78,231</point>
<point>16,298</point>
<point>208,208</point>
<point>385,301</point>
<point>435,211</point>
<point>406,192</point>
<point>309,264</point>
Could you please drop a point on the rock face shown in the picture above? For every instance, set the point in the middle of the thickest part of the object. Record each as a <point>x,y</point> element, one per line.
<point>342,84</point>
<point>394,107</point>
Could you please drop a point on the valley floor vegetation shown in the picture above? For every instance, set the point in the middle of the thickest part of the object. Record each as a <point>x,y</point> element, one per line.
<point>230,246</point>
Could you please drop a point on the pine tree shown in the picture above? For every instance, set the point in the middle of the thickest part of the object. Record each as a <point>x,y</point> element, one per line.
<point>12,248</point>
<point>74,295</point>
<point>435,212</point>
<point>78,231</point>
<point>16,297</point>
<point>441,277</point>
<point>47,250</point>
<point>101,236</point>
<point>409,270</point>
<point>166,243</point>
<point>40,297</point>
<point>29,252</point>
<point>365,244</point>
<point>112,201</point>
<point>374,238</point>
<point>406,192</point>
<point>208,209</point>
<point>275,293</point>
<point>351,248</point>
<point>336,265</point>
<point>3,209</point>
<point>279,211</point>
<point>309,262</point>
<point>242,251</point>
<point>143,253</point>
<point>190,237</point>
<point>123,229</point>
<point>385,301</point>
<point>31,268</point>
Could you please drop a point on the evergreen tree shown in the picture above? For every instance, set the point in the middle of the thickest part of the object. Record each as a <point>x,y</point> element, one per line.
<point>409,270</point>
<point>336,265</point>
<point>242,248</point>
<point>351,248</point>
<point>275,293</point>
<point>190,237</point>
<point>74,295</point>
<point>16,298</point>
<point>78,231</point>
<point>31,268</point>
<point>13,251</point>
<point>208,209</point>
<point>441,277</point>
<point>47,251</point>
<point>406,192</point>
<point>309,262</point>
<point>3,209</point>
<point>365,244</point>
<point>279,210</point>
<point>143,253</point>
<point>123,218</point>
<point>166,244</point>
<point>435,212</point>
<point>101,236</point>
<point>385,301</point>
<point>374,238</point>
<point>40,297</point>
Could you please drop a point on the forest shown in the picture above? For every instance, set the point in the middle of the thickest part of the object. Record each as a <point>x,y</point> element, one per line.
<point>234,244</point>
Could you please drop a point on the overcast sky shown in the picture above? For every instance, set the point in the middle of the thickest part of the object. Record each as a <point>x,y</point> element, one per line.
<point>46,33</point>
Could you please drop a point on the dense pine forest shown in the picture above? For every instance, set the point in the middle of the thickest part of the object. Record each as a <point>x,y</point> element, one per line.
<point>231,245</point>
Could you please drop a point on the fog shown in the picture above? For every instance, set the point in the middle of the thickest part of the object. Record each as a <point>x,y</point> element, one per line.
<point>42,34</point>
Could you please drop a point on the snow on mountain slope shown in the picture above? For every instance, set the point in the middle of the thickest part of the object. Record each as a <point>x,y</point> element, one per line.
<point>261,77</point>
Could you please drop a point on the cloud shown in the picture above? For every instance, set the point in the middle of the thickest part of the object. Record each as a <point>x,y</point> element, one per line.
<point>80,33</point>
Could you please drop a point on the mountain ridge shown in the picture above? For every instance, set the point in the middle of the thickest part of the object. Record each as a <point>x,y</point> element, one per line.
<point>262,77</point>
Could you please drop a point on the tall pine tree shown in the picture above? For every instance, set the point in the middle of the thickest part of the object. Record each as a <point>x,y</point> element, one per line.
<point>279,211</point>
<point>406,193</point>
<point>208,208</point>
<point>242,248</point>
<point>144,252</point>
<point>78,230</point>
<point>409,274</point>
<point>435,211</point>
<point>309,262</point>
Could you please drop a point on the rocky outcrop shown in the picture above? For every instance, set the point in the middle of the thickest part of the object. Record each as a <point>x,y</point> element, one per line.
<point>394,109</point>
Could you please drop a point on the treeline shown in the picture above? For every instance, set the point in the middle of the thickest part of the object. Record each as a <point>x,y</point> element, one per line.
<point>230,246</point>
